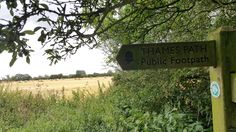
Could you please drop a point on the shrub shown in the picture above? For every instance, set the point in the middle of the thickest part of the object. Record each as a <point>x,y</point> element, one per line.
<point>151,90</point>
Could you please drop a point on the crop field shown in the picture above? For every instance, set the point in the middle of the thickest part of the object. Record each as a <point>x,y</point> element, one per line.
<point>61,87</point>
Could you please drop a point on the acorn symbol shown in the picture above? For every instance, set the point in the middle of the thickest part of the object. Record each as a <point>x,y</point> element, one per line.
<point>128,57</point>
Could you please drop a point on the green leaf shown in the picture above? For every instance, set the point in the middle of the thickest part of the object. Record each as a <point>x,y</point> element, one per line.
<point>42,37</point>
<point>60,19</point>
<point>28,59</point>
<point>37,28</point>
<point>11,12</point>
<point>14,4</point>
<point>13,60</point>
<point>44,20</point>
<point>30,32</point>
<point>45,6</point>
<point>49,51</point>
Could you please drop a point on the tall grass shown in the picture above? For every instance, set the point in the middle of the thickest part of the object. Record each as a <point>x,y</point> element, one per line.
<point>27,112</point>
<point>133,104</point>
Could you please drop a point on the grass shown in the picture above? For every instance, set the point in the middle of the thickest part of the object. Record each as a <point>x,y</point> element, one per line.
<point>126,106</point>
<point>33,112</point>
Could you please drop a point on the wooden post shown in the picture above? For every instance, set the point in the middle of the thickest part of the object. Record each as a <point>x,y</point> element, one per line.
<point>223,107</point>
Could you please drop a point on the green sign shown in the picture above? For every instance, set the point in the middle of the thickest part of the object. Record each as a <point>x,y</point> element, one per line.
<point>167,55</point>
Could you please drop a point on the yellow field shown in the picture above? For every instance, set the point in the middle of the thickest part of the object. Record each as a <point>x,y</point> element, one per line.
<point>61,86</point>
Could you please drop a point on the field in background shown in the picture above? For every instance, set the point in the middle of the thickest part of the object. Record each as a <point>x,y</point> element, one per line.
<point>60,87</point>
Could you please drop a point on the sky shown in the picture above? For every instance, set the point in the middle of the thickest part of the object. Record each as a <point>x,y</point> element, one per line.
<point>85,59</point>
<point>89,60</point>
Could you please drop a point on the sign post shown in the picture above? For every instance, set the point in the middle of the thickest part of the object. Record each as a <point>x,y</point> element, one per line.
<point>223,107</point>
<point>219,53</point>
<point>167,55</point>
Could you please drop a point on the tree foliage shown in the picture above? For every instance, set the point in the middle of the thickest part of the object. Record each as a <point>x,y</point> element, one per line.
<point>21,77</point>
<point>65,26</point>
<point>167,21</point>
<point>80,73</point>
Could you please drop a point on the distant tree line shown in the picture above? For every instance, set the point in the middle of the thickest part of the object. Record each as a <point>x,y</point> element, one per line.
<point>23,77</point>
<point>78,74</point>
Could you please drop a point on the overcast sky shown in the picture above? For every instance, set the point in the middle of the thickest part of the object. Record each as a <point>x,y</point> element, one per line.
<point>89,60</point>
